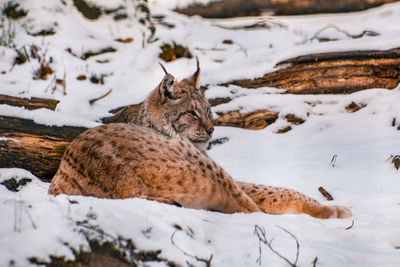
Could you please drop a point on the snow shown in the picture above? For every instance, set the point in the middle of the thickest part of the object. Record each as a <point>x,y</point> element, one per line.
<point>35,224</point>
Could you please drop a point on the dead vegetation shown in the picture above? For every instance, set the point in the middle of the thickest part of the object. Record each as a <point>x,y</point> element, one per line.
<point>90,53</point>
<point>353,107</point>
<point>284,130</point>
<point>89,11</point>
<point>171,52</point>
<point>13,11</point>
<point>395,160</point>
<point>291,118</point>
<point>104,249</point>
<point>15,185</point>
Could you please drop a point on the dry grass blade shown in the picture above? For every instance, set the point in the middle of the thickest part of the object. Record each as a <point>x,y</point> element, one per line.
<point>314,262</point>
<point>351,226</point>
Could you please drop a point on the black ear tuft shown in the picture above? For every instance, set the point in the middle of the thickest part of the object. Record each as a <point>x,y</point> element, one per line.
<point>162,66</point>
<point>197,63</point>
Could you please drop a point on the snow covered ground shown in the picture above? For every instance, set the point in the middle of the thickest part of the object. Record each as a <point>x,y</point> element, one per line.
<point>35,224</point>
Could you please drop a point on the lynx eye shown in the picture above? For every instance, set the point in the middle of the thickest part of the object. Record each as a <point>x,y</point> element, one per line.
<point>193,113</point>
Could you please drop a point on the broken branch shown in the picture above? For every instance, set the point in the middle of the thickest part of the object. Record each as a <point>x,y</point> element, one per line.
<point>29,103</point>
<point>92,101</point>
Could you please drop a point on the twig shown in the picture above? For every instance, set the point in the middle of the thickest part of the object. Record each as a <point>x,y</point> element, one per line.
<point>297,243</point>
<point>210,49</point>
<point>353,36</point>
<point>15,216</point>
<point>52,82</point>
<point>260,233</point>
<point>314,262</point>
<point>18,205</point>
<point>91,102</point>
<point>351,226</point>
<point>63,82</point>
<point>333,161</point>
<point>26,54</point>
<point>264,23</point>
<point>242,48</point>
<point>206,261</point>
<point>325,193</point>
<point>29,215</point>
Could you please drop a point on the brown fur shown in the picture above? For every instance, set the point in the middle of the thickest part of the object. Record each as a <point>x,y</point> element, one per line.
<point>162,158</point>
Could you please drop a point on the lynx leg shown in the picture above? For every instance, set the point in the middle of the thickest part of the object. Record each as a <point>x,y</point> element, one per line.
<point>275,200</point>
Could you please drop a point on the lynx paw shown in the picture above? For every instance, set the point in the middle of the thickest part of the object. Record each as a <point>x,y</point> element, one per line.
<point>341,212</point>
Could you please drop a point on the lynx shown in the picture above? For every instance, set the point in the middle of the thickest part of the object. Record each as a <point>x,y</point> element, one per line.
<point>159,155</point>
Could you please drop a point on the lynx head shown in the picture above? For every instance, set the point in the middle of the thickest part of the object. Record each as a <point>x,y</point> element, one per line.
<point>179,109</point>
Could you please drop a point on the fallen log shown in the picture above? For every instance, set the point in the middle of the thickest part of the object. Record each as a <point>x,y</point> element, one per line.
<point>332,73</point>
<point>235,8</point>
<point>34,147</point>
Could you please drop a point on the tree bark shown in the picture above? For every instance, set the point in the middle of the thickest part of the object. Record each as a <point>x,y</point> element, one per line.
<point>235,8</point>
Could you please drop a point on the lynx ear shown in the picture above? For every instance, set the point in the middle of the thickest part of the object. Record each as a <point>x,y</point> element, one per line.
<point>194,79</point>
<point>167,88</point>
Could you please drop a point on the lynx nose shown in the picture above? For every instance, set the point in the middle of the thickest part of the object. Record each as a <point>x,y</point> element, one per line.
<point>210,130</point>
